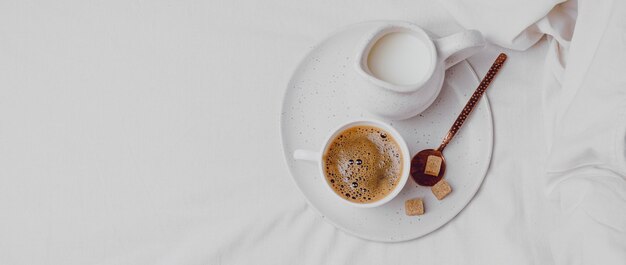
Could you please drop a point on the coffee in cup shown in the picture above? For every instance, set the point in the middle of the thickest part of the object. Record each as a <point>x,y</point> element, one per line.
<point>363,164</point>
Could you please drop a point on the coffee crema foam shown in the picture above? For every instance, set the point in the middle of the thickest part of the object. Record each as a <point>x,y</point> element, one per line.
<point>363,164</point>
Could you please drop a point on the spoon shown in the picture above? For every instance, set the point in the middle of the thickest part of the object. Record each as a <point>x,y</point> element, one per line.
<point>428,166</point>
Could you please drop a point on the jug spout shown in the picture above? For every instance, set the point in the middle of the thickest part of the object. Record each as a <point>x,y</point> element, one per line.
<point>458,47</point>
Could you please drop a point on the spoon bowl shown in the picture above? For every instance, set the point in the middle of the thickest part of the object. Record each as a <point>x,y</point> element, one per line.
<point>418,167</point>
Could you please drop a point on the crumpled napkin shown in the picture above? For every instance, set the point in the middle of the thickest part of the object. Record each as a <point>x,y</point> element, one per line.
<point>584,103</point>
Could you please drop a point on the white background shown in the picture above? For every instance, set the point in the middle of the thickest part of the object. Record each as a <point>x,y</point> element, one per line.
<point>147,132</point>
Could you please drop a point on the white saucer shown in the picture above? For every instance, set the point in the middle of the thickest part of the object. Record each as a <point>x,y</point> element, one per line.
<point>317,100</point>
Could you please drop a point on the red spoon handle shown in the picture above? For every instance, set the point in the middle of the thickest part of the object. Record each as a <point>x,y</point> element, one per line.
<point>495,67</point>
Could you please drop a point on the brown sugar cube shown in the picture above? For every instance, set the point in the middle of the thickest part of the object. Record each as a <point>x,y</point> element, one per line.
<point>433,165</point>
<point>414,207</point>
<point>441,189</point>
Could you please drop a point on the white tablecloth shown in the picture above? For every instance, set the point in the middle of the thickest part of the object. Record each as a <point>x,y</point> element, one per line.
<point>146,132</point>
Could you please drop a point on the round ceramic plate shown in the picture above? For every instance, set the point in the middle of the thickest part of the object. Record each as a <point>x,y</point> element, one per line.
<point>317,100</point>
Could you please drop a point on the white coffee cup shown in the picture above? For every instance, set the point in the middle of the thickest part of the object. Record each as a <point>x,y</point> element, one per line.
<point>404,100</point>
<point>317,157</point>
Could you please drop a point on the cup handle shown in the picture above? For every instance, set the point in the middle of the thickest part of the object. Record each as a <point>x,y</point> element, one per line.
<point>307,155</point>
<point>458,47</point>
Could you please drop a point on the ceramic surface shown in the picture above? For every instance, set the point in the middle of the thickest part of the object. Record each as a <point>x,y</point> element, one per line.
<point>399,102</point>
<point>318,100</point>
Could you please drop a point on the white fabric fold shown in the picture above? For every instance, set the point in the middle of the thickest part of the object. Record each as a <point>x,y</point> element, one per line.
<point>584,106</point>
<point>586,168</point>
<point>510,24</point>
